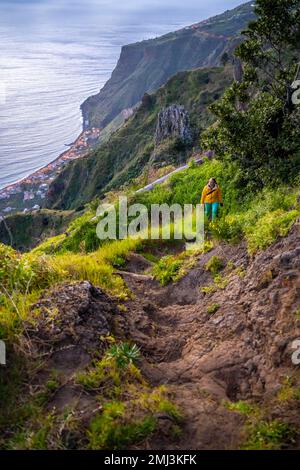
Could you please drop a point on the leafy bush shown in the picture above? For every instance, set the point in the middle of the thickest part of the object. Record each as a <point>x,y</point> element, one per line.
<point>242,407</point>
<point>227,228</point>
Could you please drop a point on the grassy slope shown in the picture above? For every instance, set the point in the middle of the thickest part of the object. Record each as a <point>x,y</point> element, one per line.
<point>131,147</point>
<point>260,219</point>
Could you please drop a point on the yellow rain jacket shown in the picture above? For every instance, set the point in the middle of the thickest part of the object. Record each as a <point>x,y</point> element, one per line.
<point>211,195</point>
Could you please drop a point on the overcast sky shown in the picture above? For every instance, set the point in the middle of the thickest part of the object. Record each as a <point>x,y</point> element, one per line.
<point>67,10</point>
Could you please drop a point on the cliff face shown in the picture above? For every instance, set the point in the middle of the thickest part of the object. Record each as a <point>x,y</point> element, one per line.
<point>145,66</point>
<point>173,122</point>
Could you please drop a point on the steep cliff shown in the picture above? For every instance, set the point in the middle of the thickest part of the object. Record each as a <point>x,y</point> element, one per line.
<point>145,66</point>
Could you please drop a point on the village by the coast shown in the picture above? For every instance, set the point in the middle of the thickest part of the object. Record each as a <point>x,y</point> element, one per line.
<point>28,194</point>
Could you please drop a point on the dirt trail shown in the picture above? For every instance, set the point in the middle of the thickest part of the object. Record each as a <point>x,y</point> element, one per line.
<point>241,352</point>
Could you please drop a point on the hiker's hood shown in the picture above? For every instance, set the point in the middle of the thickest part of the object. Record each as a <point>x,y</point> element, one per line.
<point>211,188</point>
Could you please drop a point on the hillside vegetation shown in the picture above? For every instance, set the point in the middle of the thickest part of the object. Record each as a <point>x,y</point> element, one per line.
<point>131,148</point>
<point>138,344</point>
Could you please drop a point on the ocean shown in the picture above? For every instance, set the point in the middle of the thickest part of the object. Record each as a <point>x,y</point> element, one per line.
<point>54,54</point>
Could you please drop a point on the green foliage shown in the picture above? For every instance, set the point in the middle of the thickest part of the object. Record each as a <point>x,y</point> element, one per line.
<point>257,122</point>
<point>213,308</point>
<point>171,268</point>
<point>167,407</point>
<point>98,267</point>
<point>268,228</point>
<point>227,228</point>
<point>221,282</point>
<point>123,423</point>
<point>208,289</point>
<point>262,434</point>
<point>23,231</point>
<point>185,187</point>
<point>15,272</point>
<point>270,48</point>
<point>242,407</point>
<point>271,435</point>
<point>111,431</point>
<point>124,354</point>
<point>289,390</point>
<point>214,265</point>
<point>167,269</point>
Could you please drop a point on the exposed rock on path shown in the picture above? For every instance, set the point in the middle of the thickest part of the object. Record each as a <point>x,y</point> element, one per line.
<point>241,352</point>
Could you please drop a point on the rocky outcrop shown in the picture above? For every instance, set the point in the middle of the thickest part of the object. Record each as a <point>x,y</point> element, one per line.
<point>173,123</point>
<point>72,317</point>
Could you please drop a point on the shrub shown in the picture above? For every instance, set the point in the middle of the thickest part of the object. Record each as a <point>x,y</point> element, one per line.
<point>242,407</point>
<point>214,265</point>
<point>227,228</point>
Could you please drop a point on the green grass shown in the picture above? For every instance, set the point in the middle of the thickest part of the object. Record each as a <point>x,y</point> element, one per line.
<point>173,267</point>
<point>110,430</point>
<point>214,265</point>
<point>262,434</point>
<point>273,435</point>
<point>213,308</point>
<point>242,407</point>
<point>108,377</point>
<point>123,423</point>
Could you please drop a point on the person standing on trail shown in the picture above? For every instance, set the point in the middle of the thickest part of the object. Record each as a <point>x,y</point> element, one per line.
<point>212,199</point>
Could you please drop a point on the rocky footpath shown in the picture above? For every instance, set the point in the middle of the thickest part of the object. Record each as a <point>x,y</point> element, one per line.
<point>242,351</point>
<point>212,342</point>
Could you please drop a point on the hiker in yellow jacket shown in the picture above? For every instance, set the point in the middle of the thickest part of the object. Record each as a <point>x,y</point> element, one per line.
<point>212,199</point>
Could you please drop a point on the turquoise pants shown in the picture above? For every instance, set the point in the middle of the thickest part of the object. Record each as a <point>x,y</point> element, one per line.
<point>211,210</point>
